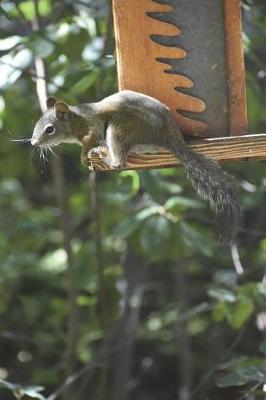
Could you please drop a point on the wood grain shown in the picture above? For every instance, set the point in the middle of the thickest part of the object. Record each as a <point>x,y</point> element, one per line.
<point>234,148</point>
<point>137,60</point>
<point>235,68</point>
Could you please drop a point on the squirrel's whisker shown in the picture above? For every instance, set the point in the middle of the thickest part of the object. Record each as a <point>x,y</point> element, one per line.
<point>21,140</point>
<point>31,156</point>
<point>43,155</point>
<point>42,160</point>
<point>27,139</point>
<point>51,150</point>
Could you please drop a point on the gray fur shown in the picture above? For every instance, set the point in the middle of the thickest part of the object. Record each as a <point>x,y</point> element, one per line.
<point>215,186</point>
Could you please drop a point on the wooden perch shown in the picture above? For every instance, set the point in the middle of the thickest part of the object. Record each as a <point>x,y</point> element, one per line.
<point>230,149</point>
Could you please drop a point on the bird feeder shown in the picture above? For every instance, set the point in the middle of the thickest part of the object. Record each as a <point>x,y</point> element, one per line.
<point>189,55</point>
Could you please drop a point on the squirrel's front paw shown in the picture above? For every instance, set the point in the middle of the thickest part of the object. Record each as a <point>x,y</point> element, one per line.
<point>103,154</point>
<point>100,151</point>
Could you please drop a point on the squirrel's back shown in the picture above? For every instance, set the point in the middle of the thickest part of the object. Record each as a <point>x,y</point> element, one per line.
<point>128,100</point>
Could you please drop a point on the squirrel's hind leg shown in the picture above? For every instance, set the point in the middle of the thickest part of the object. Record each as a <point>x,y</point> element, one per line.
<point>116,147</point>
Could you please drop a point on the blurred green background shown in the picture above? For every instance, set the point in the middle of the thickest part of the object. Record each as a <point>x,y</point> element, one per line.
<point>115,281</point>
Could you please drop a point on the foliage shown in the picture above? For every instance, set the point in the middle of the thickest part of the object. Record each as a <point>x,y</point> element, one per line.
<point>21,391</point>
<point>170,287</point>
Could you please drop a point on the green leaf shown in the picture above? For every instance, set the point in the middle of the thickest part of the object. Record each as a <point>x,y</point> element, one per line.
<point>233,363</point>
<point>262,347</point>
<point>54,261</point>
<point>129,225</point>
<point>253,373</point>
<point>179,203</point>
<point>170,187</point>
<point>40,46</point>
<point>86,82</point>
<point>151,181</point>
<point>255,107</point>
<point>219,311</point>
<point>9,42</point>
<point>134,175</point>
<point>148,212</point>
<point>156,237</point>
<point>222,295</point>
<point>8,385</point>
<point>240,312</point>
<point>27,7</point>
<point>196,239</point>
<point>261,289</point>
<point>20,391</point>
<point>12,67</point>
<point>232,379</point>
<point>249,289</point>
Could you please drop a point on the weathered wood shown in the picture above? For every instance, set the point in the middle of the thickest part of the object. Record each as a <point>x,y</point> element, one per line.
<point>235,68</point>
<point>235,148</point>
<point>137,60</point>
<point>157,56</point>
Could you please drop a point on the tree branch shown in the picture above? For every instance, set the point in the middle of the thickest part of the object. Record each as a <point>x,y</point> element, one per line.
<point>102,300</point>
<point>61,195</point>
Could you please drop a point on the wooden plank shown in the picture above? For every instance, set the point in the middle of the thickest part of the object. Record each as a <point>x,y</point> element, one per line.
<point>235,67</point>
<point>234,148</point>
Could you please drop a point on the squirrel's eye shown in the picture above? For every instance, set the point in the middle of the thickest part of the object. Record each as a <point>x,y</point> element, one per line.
<point>50,129</point>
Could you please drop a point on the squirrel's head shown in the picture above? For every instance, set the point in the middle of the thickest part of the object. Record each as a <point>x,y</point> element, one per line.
<point>54,126</point>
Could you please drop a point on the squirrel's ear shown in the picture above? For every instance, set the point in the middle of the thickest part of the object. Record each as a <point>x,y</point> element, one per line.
<point>61,109</point>
<point>50,102</point>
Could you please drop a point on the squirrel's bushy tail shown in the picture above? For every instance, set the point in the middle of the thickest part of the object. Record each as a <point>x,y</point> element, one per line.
<point>215,186</point>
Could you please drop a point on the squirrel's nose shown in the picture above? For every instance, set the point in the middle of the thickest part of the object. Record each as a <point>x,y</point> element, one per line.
<point>34,141</point>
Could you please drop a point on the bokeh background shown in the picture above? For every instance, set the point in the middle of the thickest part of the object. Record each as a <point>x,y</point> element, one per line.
<point>113,285</point>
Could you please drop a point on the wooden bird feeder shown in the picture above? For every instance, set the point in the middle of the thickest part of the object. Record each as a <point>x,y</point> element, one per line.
<point>189,55</point>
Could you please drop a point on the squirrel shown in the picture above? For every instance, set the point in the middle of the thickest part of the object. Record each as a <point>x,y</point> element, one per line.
<point>126,119</point>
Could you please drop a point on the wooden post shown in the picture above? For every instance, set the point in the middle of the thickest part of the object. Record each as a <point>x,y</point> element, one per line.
<point>235,68</point>
<point>138,66</point>
<point>186,59</point>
